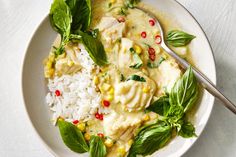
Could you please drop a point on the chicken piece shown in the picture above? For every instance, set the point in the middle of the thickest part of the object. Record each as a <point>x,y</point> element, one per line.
<point>111,30</point>
<point>68,64</point>
<point>135,95</point>
<point>121,126</point>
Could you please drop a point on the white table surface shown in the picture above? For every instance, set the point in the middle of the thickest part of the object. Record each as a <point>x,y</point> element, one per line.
<point>20,18</point>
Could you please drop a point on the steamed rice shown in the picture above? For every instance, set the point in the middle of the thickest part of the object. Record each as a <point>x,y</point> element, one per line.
<point>79,99</point>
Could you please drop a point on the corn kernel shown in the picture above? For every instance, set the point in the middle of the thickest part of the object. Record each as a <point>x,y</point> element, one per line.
<point>81,126</point>
<point>87,136</point>
<point>111,91</point>
<point>138,49</point>
<point>51,57</point>
<point>95,80</point>
<point>49,64</point>
<point>110,97</point>
<point>63,55</point>
<point>106,86</point>
<point>70,63</point>
<point>164,56</point>
<point>121,150</point>
<point>130,142</point>
<point>108,143</point>
<point>112,1</point>
<point>146,89</point>
<point>146,117</point>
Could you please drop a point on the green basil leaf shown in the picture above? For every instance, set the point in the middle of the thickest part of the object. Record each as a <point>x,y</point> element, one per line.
<point>72,137</point>
<point>178,38</point>
<point>155,65</point>
<point>95,49</point>
<point>161,106</point>
<point>131,3</point>
<point>150,139</point>
<point>97,148</point>
<point>136,78</point>
<point>185,91</point>
<point>137,59</point>
<point>60,18</point>
<point>81,14</point>
<point>187,130</point>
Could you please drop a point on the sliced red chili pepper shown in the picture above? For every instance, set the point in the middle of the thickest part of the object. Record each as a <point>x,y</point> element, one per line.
<point>106,103</point>
<point>75,122</point>
<point>97,115</point>
<point>152,57</point>
<point>158,39</point>
<point>121,19</point>
<point>152,22</point>
<point>101,135</point>
<point>101,116</point>
<point>143,34</point>
<point>57,93</point>
<point>151,51</point>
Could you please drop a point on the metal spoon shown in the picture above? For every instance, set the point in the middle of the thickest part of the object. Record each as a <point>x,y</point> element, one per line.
<point>207,84</point>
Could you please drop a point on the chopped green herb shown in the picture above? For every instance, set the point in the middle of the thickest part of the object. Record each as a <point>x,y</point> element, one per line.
<point>137,59</point>
<point>136,78</point>
<point>122,77</point>
<point>151,64</point>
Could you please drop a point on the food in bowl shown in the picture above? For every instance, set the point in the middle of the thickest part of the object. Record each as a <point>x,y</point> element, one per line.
<point>112,89</point>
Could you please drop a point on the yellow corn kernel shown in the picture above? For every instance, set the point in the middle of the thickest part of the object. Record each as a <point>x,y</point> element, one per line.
<point>111,91</point>
<point>146,89</point>
<point>108,143</point>
<point>87,136</point>
<point>106,86</point>
<point>146,117</point>
<point>138,49</point>
<point>110,97</point>
<point>130,142</point>
<point>81,126</point>
<point>164,56</point>
<point>51,57</point>
<point>95,80</point>
<point>49,64</point>
<point>121,150</point>
<point>70,63</point>
<point>112,1</point>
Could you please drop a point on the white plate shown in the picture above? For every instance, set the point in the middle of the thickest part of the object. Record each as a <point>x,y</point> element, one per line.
<point>34,89</point>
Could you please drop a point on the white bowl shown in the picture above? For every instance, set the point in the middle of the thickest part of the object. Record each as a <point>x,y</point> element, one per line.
<point>34,89</point>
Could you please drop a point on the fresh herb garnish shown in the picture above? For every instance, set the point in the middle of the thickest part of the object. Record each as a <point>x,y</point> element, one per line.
<point>185,91</point>
<point>97,147</point>
<point>95,49</point>
<point>94,33</point>
<point>178,38</point>
<point>137,59</point>
<point>150,139</point>
<point>173,108</point>
<point>122,77</point>
<point>136,78</point>
<point>72,137</point>
<point>151,64</point>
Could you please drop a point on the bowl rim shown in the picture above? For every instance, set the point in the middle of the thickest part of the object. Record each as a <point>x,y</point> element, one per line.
<point>214,80</point>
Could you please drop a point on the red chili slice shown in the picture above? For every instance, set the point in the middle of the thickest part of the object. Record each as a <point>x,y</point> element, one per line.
<point>75,122</point>
<point>143,34</point>
<point>106,103</point>
<point>97,115</point>
<point>101,135</point>
<point>152,57</point>
<point>57,93</point>
<point>101,117</point>
<point>158,39</point>
<point>151,51</point>
<point>152,22</point>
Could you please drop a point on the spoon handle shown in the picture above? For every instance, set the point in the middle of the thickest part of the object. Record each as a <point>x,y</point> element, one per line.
<point>207,84</point>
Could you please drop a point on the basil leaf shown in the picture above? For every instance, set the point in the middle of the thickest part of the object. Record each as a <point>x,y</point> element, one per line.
<point>72,137</point>
<point>95,49</point>
<point>131,3</point>
<point>185,91</point>
<point>155,65</point>
<point>136,78</point>
<point>150,139</point>
<point>160,106</point>
<point>81,14</point>
<point>97,148</point>
<point>137,59</point>
<point>60,18</point>
<point>187,130</point>
<point>178,38</point>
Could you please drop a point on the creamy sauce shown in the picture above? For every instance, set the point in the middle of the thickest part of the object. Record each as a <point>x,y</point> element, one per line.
<point>128,98</point>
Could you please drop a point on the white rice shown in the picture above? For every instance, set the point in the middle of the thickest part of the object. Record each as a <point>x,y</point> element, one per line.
<point>78,100</point>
